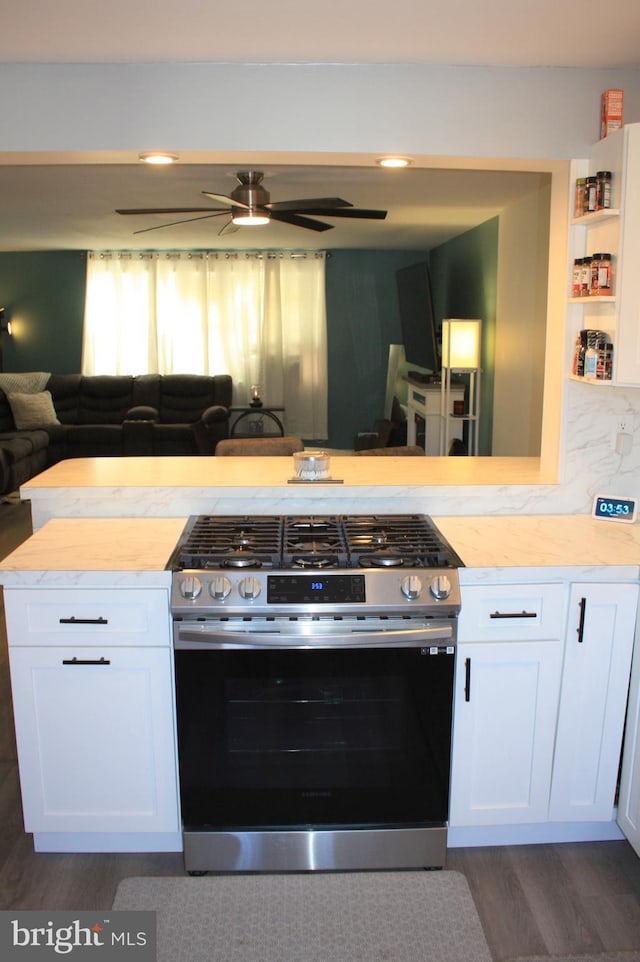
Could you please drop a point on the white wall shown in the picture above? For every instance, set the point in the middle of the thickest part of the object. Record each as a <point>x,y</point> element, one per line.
<point>225,110</point>
<point>449,111</point>
<point>521,320</point>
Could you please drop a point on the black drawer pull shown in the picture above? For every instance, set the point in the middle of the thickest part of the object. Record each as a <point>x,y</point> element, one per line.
<point>467,679</point>
<point>83,621</point>
<point>583,610</point>
<point>513,614</point>
<point>86,661</point>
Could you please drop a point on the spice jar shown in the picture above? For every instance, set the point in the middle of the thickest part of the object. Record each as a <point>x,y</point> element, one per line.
<point>581,184</point>
<point>590,196</point>
<point>601,274</point>
<point>585,279</point>
<point>576,277</point>
<point>603,190</point>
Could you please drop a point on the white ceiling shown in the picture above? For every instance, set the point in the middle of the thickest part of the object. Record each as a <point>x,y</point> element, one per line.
<point>69,207</point>
<point>566,33</point>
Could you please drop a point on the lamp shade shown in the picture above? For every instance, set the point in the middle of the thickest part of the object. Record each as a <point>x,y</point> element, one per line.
<point>461,344</point>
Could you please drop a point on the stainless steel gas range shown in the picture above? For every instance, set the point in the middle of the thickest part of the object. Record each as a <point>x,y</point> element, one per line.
<point>314,682</point>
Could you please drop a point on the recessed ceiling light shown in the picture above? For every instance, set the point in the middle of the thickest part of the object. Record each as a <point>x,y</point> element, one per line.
<point>159,158</point>
<point>394,162</point>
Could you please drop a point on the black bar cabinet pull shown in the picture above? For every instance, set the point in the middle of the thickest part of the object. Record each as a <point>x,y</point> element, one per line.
<point>86,661</point>
<point>580,628</point>
<point>83,621</point>
<point>513,614</point>
<point>467,679</point>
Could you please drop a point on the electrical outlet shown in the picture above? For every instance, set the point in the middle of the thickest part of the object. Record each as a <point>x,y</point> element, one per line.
<point>624,442</point>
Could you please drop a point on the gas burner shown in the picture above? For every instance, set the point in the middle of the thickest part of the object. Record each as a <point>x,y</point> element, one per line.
<point>315,561</point>
<point>240,560</point>
<point>388,560</point>
<point>311,546</point>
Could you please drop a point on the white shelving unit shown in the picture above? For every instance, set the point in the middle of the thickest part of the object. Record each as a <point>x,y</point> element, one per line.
<point>617,231</point>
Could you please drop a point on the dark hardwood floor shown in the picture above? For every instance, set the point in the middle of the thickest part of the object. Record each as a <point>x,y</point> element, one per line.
<point>538,899</point>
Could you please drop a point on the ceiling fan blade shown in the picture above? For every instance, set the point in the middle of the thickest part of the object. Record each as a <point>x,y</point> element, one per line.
<point>172,210</point>
<point>349,212</point>
<point>315,203</point>
<point>290,217</point>
<point>228,228</point>
<point>174,223</point>
<point>223,199</point>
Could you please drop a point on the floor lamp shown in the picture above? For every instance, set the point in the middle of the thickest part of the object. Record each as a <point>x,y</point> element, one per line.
<point>461,344</point>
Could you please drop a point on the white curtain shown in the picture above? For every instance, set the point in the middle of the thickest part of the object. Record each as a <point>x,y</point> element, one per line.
<point>259,317</point>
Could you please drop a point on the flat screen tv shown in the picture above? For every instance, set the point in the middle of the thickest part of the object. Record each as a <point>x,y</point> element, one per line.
<point>416,317</point>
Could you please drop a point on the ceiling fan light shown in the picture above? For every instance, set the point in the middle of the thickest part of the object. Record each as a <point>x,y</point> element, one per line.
<point>394,162</point>
<point>249,218</point>
<point>158,158</point>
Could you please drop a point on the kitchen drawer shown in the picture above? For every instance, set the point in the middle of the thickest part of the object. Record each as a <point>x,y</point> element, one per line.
<point>512,612</point>
<point>75,616</point>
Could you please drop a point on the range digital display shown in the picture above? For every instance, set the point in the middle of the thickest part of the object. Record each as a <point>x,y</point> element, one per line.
<point>321,589</point>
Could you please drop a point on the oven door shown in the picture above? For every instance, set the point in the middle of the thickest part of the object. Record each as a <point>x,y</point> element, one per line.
<point>314,724</point>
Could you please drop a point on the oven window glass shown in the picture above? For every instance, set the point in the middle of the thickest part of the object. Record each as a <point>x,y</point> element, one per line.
<point>314,738</point>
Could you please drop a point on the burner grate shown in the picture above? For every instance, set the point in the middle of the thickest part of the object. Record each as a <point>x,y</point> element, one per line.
<point>301,541</point>
<point>412,541</point>
<point>232,542</point>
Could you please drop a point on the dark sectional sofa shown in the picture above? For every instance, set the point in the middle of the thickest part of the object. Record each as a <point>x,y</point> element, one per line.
<point>116,416</point>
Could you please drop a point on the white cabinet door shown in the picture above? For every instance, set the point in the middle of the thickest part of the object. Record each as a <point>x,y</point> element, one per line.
<point>629,801</point>
<point>600,631</point>
<point>506,704</point>
<point>95,735</point>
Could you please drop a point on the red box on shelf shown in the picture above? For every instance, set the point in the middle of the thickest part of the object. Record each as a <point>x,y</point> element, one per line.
<point>611,111</point>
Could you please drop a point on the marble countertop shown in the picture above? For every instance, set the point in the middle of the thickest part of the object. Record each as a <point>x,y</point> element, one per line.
<point>542,541</point>
<point>276,472</point>
<point>94,551</point>
<point>91,548</point>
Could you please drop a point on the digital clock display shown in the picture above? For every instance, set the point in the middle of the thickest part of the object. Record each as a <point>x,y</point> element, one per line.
<point>614,509</point>
<point>321,589</point>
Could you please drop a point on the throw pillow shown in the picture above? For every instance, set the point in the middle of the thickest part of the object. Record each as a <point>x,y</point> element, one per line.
<point>32,410</point>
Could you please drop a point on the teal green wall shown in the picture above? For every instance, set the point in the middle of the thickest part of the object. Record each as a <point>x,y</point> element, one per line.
<point>464,274</point>
<point>363,319</point>
<point>43,294</point>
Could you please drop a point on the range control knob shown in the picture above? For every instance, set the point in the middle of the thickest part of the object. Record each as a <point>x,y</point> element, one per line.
<point>249,588</point>
<point>190,587</point>
<point>440,587</point>
<point>411,587</point>
<point>220,588</point>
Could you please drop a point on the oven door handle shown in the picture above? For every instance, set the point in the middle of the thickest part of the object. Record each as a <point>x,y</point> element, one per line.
<point>396,638</point>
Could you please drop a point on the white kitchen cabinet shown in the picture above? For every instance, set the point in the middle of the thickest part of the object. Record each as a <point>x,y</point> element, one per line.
<point>92,684</point>
<point>599,643</point>
<point>509,665</point>
<point>629,798</point>
<point>540,699</point>
<point>505,706</point>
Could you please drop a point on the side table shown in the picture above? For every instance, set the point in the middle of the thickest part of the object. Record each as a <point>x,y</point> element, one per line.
<point>255,422</point>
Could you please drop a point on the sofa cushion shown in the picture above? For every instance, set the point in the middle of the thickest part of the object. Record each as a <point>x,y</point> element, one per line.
<point>21,445</point>
<point>94,440</point>
<point>185,396</point>
<point>32,410</point>
<point>65,391</point>
<point>105,398</point>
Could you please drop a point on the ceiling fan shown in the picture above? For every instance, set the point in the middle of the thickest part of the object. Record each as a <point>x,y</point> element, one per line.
<point>249,205</point>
